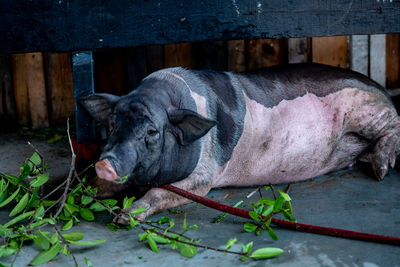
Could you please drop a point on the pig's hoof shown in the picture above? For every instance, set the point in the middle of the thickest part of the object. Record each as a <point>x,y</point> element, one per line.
<point>384,155</point>
<point>122,219</point>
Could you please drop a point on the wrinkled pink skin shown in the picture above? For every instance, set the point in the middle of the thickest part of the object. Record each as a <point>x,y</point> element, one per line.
<point>295,140</point>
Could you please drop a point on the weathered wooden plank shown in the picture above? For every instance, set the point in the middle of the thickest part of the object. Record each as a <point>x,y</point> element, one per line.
<point>393,61</point>
<point>237,55</point>
<point>110,71</point>
<point>7,105</point>
<point>331,51</point>
<point>179,55</point>
<point>21,89</point>
<point>377,54</point>
<point>43,25</point>
<point>155,58</point>
<point>136,65</point>
<point>359,53</point>
<point>210,55</point>
<point>60,89</point>
<point>298,50</point>
<point>36,90</point>
<point>82,69</point>
<point>264,53</point>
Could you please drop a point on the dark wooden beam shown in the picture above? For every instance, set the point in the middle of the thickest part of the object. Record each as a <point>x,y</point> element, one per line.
<point>73,25</point>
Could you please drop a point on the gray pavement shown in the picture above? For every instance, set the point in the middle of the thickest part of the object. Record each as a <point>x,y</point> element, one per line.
<point>349,199</point>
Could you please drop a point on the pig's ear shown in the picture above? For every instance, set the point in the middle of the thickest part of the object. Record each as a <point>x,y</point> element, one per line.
<point>99,106</point>
<point>190,125</point>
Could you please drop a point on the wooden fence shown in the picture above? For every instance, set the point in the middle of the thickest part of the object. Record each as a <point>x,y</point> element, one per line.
<point>36,89</point>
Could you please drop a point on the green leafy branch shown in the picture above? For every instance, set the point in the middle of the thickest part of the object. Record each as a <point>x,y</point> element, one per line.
<point>33,212</point>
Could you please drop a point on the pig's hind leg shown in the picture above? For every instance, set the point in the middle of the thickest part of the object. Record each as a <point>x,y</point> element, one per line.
<point>375,118</point>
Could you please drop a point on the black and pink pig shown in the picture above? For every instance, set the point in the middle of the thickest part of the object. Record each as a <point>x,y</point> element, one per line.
<point>204,129</point>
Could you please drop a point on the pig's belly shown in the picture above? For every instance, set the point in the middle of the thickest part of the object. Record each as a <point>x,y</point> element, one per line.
<point>296,140</point>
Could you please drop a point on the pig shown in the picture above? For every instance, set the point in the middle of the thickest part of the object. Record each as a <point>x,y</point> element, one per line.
<point>201,129</point>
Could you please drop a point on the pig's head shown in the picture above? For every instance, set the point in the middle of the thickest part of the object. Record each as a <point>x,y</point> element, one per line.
<point>148,143</point>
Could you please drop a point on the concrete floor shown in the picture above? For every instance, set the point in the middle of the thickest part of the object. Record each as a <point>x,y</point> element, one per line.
<point>348,199</point>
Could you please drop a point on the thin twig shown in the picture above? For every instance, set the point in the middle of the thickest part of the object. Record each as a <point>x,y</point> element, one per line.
<point>66,243</point>
<point>194,244</point>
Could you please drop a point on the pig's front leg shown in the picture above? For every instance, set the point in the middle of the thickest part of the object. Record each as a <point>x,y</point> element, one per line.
<point>157,199</point>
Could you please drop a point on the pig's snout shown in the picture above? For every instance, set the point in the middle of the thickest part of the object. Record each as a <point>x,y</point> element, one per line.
<point>105,171</point>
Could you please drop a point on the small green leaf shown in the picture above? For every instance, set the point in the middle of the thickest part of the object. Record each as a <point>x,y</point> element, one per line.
<point>10,198</point>
<point>268,211</point>
<point>6,251</point>
<point>247,248</point>
<point>72,208</point>
<point>47,255</point>
<point>76,190</point>
<point>187,250</point>
<point>88,262</point>
<point>87,243</point>
<point>24,171</point>
<point>77,236</point>
<point>152,243</point>
<point>266,253</point>
<point>143,236</point>
<point>266,201</point>
<point>122,179</point>
<point>19,218</point>
<point>41,241</point>
<point>54,239</point>
<point>288,207</point>
<point>39,212</point>
<point>85,200</point>
<point>162,220</point>
<point>231,242</point>
<point>137,211</point>
<point>249,227</point>
<point>272,234</point>
<point>288,216</point>
<point>255,216</point>
<point>159,239</point>
<point>40,180</point>
<point>127,202</point>
<point>278,203</point>
<point>285,196</point>
<point>20,206</point>
<point>35,159</point>
<point>67,226</point>
<point>86,214</point>
<point>112,202</point>
<point>96,206</point>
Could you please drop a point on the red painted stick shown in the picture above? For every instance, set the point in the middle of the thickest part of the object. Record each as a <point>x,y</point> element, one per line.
<point>286,224</point>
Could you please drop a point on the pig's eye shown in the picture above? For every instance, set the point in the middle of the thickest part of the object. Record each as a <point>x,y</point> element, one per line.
<point>152,132</point>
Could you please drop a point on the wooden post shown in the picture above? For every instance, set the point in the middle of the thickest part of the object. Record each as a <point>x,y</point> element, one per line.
<point>298,50</point>
<point>36,90</point>
<point>377,65</point>
<point>359,53</point>
<point>110,72</point>
<point>20,89</point>
<point>265,52</point>
<point>60,89</point>
<point>237,56</point>
<point>7,104</point>
<point>179,55</point>
<point>210,55</point>
<point>393,61</point>
<point>330,50</point>
<point>82,66</point>
<point>136,65</point>
<point>154,58</point>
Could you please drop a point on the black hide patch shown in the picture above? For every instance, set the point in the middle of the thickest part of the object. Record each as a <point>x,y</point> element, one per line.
<point>227,106</point>
<point>272,85</point>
